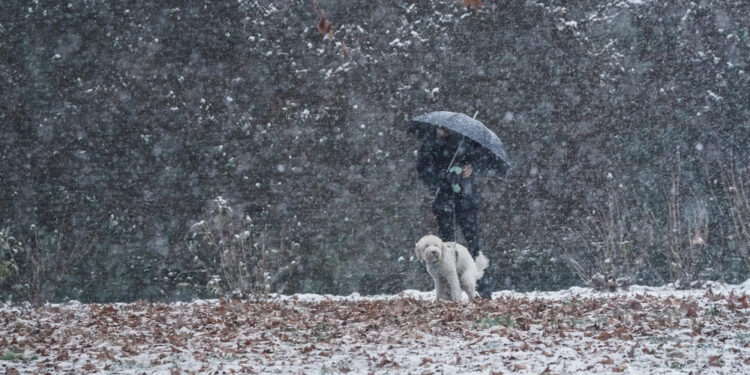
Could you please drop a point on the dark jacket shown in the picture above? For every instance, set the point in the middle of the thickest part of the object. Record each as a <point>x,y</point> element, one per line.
<point>435,157</point>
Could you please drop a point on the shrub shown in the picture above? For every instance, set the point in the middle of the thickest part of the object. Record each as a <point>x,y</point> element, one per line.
<point>613,250</point>
<point>34,269</point>
<point>10,250</point>
<point>236,258</point>
<point>686,235</point>
<point>736,183</point>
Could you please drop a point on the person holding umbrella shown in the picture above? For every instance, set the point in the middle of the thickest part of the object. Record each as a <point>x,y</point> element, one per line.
<point>454,149</point>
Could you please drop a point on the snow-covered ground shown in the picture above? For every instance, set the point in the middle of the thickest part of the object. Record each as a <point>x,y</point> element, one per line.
<point>638,331</point>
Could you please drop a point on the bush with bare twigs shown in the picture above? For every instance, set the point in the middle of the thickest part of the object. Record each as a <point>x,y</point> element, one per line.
<point>686,235</point>
<point>736,182</point>
<point>10,250</point>
<point>34,269</point>
<point>237,257</point>
<point>616,241</point>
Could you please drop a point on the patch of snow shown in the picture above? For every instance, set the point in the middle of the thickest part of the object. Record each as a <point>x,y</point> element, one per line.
<point>714,96</point>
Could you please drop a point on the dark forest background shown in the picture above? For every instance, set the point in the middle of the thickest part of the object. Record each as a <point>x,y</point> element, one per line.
<point>627,124</point>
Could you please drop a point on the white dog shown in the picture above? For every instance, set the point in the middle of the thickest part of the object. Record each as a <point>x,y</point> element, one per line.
<point>451,267</point>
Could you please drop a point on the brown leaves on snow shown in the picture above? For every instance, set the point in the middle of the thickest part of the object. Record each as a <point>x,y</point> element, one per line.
<point>96,337</point>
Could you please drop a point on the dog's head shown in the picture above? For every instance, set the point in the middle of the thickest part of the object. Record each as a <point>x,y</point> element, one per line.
<point>429,248</point>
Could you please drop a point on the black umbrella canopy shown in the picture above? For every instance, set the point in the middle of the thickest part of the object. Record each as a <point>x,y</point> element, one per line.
<point>423,125</point>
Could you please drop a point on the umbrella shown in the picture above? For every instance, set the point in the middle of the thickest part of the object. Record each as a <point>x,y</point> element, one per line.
<point>495,155</point>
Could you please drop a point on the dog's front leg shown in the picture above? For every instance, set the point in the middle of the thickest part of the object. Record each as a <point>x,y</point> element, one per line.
<point>440,291</point>
<point>454,287</point>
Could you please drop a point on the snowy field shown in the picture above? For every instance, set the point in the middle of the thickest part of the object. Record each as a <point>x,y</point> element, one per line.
<point>575,331</point>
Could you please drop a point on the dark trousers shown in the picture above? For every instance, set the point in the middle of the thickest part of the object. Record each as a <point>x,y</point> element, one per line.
<point>460,208</point>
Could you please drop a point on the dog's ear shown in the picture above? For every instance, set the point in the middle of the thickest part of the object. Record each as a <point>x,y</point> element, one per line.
<point>418,250</point>
<point>440,243</point>
<point>446,247</point>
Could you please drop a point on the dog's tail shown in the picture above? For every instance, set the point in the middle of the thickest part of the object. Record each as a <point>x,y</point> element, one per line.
<point>482,262</point>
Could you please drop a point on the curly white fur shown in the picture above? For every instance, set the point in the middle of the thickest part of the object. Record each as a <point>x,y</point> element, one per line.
<point>451,267</point>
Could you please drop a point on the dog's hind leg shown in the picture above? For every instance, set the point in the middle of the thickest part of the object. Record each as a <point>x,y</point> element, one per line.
<point>469,285</point>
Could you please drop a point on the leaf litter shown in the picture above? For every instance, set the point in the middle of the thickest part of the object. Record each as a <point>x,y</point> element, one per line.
<point>641,330</point>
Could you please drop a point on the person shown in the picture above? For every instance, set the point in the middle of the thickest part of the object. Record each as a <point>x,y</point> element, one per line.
<point>446,164</point>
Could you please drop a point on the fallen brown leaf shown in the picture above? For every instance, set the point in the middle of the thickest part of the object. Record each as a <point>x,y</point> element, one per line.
<point>472,3</point>
<point>383,361</point>
<point>711,296</point>
<point>689,308</point>
<point>635,305</point>
<point>519,367</point>
<point>731,305</point>
<point>714,360</point>
<point>63,356</point>
<point>89,367</point>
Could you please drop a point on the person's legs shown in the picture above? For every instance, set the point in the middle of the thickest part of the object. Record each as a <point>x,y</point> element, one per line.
<point>467,213</point>
<point>485,285</point>
<point>442,208</point>
<point>467,221</point>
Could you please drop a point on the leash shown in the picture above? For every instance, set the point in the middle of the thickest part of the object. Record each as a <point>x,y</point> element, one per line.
<point>460,144</point>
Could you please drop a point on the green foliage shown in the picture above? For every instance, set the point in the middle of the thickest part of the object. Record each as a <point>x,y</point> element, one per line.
<point>10,249</point>
<point>489,322</point>
<point>40,265</point>
<point>13,356</point>
<point>12,253</point>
